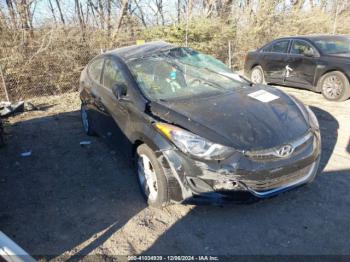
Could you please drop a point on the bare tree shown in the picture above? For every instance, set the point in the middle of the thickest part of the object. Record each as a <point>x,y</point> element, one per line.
<point>79,13</point>
<point>102,13</point>
<point>159,5</point>
<point>123,12</point>
<point>208,7</point>
<point>23,9</point>
<point>189,9</point>
<point>60,11</point>
<point>297,4</point>
<point>140,14</point>
<point>178,7</point>
<point>98,8</point>
<point>94,19</point>
<point>11,9</point>
<point>52,11</point>
<point>109,25</point>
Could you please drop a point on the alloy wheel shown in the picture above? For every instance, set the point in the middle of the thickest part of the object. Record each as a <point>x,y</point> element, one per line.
<point>85,119</point>
<point>332,87</point>
<point>257,76</point>
<point>147,177</point>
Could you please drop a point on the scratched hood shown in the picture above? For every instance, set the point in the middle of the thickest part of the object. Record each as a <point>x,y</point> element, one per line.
<point>236,119</point>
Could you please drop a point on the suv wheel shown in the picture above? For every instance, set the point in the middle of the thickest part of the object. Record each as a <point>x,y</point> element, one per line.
<point>151,177</point>
<point>335,86</point>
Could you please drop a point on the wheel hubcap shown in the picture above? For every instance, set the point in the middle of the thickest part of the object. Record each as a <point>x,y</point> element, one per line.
<point>332,87</point>
<point>85,120</point>
<point>147,177</point>
<point>256,76</point>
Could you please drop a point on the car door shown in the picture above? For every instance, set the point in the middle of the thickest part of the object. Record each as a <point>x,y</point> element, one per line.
<point>301,64</point>
<point>273,60</point>
<point>93,85</point>
<point>116,111</point>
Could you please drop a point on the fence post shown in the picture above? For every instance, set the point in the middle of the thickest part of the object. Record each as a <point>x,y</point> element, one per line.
<point>4,84</point>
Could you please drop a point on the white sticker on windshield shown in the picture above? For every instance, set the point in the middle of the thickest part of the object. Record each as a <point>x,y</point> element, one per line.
<point>263,96</point>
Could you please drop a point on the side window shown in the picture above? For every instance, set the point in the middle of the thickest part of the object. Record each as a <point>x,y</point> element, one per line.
<point>280,47</point>
<point>111,74</point>
<point>95,69</point>
<point>301,48</point>
<point>267,48</point>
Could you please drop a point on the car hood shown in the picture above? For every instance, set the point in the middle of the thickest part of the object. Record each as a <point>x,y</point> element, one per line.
<point>236,119</point>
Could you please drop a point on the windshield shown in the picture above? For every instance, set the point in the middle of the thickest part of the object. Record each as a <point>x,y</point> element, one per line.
<point>334,45</point>
<point>182,73</point>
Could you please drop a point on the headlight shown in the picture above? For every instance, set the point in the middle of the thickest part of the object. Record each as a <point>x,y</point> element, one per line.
<point>312,118</point>
<point>194,145</point>
<point>308,114</point>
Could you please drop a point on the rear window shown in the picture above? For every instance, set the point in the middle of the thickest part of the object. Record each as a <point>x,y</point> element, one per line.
<point>95,70</point>
<point>335,45</point>
<point>277,47</point>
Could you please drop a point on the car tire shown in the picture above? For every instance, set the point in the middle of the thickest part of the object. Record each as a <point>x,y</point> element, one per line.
<point>257,75</point>
<point>335,86</point>
<point>2,139</point>
<point>86,121</point>
<point>150,172</point>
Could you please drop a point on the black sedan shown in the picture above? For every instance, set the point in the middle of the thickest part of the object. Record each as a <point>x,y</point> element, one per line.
<point>196,129</point>
<point>320,63</point>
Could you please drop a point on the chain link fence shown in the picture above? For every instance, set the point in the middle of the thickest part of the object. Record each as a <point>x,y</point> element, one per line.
<point>50,64</point>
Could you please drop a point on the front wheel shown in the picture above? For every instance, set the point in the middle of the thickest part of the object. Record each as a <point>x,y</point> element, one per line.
<point>335,86</point>
<point>257,75</point>
<point>151,177</point>
<point>2,139</point>
<point>86,121</point>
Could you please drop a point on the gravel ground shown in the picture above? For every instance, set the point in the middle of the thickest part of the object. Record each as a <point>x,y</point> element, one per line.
<point>67,200</point>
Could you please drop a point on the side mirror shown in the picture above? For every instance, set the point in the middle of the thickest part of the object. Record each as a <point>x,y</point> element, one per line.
<point>119,90</point>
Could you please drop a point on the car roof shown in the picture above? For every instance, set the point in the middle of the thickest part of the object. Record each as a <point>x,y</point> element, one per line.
<point>139,51</point>
<point>313,37</point>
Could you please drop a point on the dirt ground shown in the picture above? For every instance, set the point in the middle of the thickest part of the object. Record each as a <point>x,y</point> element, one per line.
<point>66,199</point>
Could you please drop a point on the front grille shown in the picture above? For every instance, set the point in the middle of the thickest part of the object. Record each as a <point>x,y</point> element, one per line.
<point>271,154</point>
<point>271,183</point>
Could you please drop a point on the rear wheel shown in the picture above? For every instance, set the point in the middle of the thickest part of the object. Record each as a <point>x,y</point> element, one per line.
<point>335,86</point>
<point>151,177</point>
<point>86,121</point>
<point>257,75</point>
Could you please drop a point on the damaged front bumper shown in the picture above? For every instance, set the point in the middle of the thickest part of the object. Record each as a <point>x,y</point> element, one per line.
<point>190,179</point>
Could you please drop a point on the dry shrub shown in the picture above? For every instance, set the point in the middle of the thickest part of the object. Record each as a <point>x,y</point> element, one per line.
<point>51,62</point>
<point>210,36</point>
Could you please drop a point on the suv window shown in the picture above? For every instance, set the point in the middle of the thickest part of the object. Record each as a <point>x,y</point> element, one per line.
<point>277,47</point>
<point>95,69</point>
<point>301,48</point>
<point>111,74</point>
